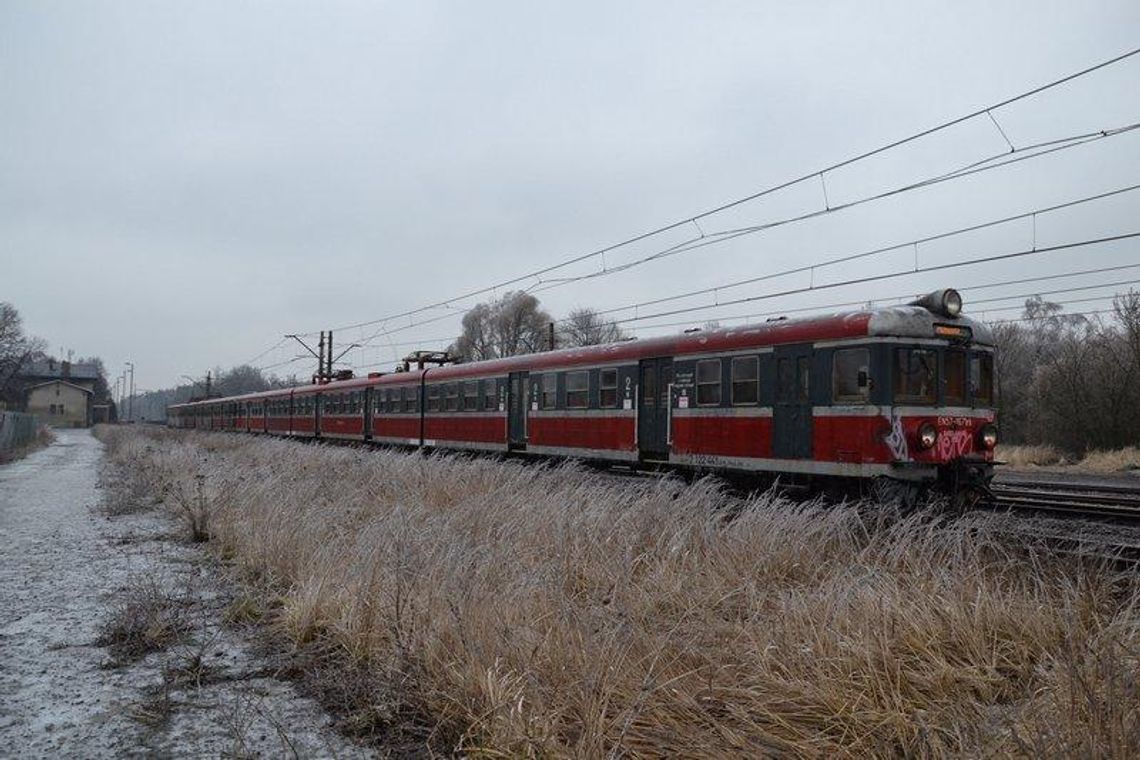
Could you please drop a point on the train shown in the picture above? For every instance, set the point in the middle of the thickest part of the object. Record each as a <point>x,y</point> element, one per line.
<point>897,400</point>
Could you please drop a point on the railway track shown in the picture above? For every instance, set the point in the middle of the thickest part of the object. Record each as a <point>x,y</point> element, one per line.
<point>1119,502</point>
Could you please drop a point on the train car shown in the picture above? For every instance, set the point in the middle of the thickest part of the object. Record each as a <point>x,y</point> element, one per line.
<point>902,396</point>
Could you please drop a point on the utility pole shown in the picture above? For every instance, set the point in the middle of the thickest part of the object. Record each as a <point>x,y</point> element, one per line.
<point>551,336</point>
<point>122,393</point>
<point>321,358</point>
<point>131,397</point>
<point>324,355</point>
<point>207,384</point>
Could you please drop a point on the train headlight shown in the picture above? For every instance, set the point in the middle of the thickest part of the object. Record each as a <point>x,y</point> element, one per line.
<point>927,435</point>
<point>951,302</point>
<point>988,436</point>
<point>947,303</point>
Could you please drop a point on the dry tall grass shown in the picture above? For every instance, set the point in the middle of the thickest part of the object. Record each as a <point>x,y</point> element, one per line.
<point>1116,460</point>
<point>1041,455</point>
<point>1044,455</point>
<point>522,610</point>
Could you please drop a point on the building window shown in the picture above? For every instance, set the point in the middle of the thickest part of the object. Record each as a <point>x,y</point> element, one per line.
<point>471,395</point>
<point>745,380</point>
<point>608,395</point>
<point>549,390</point>
<point>708,382</point>
<point>577,390</point>
<point>850,376</point>
<point>453,397</point>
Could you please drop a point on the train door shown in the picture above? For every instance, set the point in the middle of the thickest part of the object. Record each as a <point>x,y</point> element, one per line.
<point>517,411</point>
<point>792,423</point>
<point>655,387</point>
<point>369,399</point>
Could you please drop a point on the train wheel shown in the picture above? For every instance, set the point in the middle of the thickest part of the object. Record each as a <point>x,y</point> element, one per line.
<point>900,494</point>
<point>970,497</point>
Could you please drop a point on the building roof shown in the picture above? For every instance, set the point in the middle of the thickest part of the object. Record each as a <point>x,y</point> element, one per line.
<point>61,382</point>
<point>50,368</point>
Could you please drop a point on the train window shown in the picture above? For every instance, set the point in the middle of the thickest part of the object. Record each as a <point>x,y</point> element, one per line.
<point>982,378</point>
<point>648,385</point>
<point>471,395</point>
<point>433,399</point>
<point>395,399</point>
<point>452,397</point>
<point>412,400</point>
<point>745,380</point>
<point>850,376</point>
<point>608,397</point>
<point>954,377</point>
<point>577,390</point>
<point>490,396</point>
<point>708,382</point>
<point>916,375</point>
<point>549,390</point>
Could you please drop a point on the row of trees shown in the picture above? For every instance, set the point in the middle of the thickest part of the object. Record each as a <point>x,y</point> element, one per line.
<point>1071,381</point>
<point>517,324</point>
<point>151,405</point>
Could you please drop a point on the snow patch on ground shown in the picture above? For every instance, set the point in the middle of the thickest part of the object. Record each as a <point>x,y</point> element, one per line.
<point>63,568</point>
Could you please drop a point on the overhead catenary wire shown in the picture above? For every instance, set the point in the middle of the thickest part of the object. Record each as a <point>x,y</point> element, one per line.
<point>724,236</point>
<point>805,268</point>
<point>892,275</point>
<point>813,174</point>
<point>842,259</point>
<point>717,238</point>
<point>823,308</point>
<point>705,240</point>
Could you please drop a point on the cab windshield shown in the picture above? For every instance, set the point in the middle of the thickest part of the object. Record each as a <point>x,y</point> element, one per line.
<point>916,375</point>
<point>982,378</point>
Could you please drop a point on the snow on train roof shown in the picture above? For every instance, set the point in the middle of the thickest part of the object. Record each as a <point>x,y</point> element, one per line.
<point>890,321</point>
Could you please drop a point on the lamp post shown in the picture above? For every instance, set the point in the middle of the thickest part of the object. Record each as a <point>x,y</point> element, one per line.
<point>131,397</point>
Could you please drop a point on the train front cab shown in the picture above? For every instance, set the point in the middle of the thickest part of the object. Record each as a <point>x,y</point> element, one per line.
<point>943,416</point>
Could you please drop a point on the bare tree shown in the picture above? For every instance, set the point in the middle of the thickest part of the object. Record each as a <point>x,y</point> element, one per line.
<point>512,325</point>
<point>585,327</point>
<point>1070,381</point>
<point>16,348</point>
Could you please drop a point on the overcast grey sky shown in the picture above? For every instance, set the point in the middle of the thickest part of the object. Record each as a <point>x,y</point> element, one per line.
<point>183,183</point>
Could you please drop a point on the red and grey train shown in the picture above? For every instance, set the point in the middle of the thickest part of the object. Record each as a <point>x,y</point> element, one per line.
<point>899,395</point>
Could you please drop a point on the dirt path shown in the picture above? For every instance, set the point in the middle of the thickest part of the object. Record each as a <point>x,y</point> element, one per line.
<point>64,569</point>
